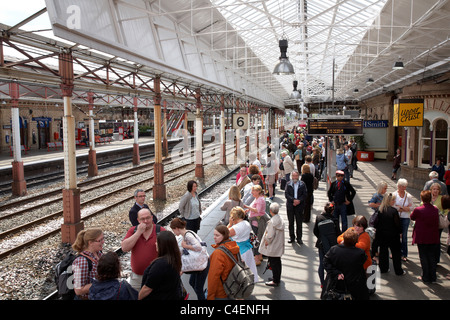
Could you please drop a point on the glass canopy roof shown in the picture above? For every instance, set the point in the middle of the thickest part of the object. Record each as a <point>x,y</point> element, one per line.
<point>318,32</point>
<point>234,44</point>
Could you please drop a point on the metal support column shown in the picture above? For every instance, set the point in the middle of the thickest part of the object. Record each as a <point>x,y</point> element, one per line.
<point>92,168</point>
<point>199,170</point>
<point>159,188</point>
<point>238,137</point>
<point>19,185</point>
<point>223,154</point>
<point>72,223</point>
<point>136,157</point>
<point>165,148</point>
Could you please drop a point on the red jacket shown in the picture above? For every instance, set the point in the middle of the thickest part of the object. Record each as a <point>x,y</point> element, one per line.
<point>426,228</point>
<point>447,177</point>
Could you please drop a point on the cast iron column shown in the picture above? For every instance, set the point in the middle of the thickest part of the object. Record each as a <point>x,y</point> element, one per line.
<point>92,168</point>
<point>71,194</point>
<point>159,188</point>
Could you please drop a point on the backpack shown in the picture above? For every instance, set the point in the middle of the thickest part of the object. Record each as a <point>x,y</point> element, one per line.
<point>64,276</point>
<point>240,281</point>
<point>328,235</point>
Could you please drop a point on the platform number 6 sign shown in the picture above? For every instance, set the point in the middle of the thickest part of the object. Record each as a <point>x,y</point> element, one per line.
<point>240,121</point>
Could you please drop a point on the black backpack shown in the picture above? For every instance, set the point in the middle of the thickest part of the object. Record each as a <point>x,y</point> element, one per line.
<point>64,276</point>
<point>328,235</point>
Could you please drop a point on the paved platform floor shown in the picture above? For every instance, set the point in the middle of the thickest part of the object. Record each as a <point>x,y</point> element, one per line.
<point>299,279</point>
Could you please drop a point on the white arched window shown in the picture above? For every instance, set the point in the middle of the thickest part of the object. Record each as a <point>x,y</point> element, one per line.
<point>425,141</point>
<point>441,140</point>
<point>433,143</point>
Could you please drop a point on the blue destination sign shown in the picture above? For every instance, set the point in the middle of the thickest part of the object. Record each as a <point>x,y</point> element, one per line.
<point>376,124</point>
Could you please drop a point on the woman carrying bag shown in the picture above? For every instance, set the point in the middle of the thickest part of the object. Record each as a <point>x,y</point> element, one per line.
<point>192,247</point>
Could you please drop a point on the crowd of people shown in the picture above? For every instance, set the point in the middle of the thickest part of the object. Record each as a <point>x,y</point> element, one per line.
<point>252,229</point>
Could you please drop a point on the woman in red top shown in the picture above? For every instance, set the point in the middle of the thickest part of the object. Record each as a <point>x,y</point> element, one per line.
<point>447,179</point>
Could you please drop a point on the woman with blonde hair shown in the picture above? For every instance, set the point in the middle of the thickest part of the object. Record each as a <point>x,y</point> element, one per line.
<point>257,217</point>
<point>89,245</point>
<point>234,200</point>
<point>240,230</point>
<point>387,224</point>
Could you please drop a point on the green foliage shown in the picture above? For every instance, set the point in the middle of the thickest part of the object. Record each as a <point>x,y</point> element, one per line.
<point>361,143</point>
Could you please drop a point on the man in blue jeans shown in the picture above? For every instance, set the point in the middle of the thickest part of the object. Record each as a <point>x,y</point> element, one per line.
<point>341,194</point>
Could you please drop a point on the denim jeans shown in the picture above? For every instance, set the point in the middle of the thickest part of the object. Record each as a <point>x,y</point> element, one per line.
<point>197,282</point>
<point>404,223</point>
<point>341,210</point>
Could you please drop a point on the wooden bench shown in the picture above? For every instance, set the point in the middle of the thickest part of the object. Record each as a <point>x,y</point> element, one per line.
<point>59,144</point>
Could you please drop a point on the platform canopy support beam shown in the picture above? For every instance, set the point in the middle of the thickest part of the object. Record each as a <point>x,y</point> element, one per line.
<point>136,156</point>
<point>223,154</point>
<point>92,168</point>
<point>199,170</point>
<point>19,185</point>
<point>238,138</point>
<point>165,148</point>
<point>72,223</point>
<point>159,188</point>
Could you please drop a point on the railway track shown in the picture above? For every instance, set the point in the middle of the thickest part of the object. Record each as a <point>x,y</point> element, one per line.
<point>35,181</point>
<point>85,186</point>
<point>166,220</point>
<point>123,194</point>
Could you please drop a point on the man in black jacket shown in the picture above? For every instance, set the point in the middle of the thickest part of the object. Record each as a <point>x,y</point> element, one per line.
<point>341,194</point>
<point>295,194</point>
<point>139,196</point>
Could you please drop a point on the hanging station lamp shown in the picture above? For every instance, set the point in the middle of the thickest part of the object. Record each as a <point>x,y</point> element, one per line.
<point>284,66</point>
<point>296,94</point>
<point>398,65</point>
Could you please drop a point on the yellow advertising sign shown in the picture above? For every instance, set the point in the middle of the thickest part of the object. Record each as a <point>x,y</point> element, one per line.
<point>408,113</point>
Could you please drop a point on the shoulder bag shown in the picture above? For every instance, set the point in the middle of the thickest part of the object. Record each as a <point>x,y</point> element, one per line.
<point>193,261</point>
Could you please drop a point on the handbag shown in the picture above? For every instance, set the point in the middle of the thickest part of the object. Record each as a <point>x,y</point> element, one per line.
<point>315,183</point>
<point>193,261</point>
<point>254,240</point>
<point>333,293</point>
<point>283,183</point>
<point>443,222</point>
<point>374,218</point>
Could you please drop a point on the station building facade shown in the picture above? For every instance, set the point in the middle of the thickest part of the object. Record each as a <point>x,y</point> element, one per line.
<point>422,145</point>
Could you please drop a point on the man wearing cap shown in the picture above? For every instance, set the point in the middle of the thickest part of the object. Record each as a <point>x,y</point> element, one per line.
<point>341,194</point>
